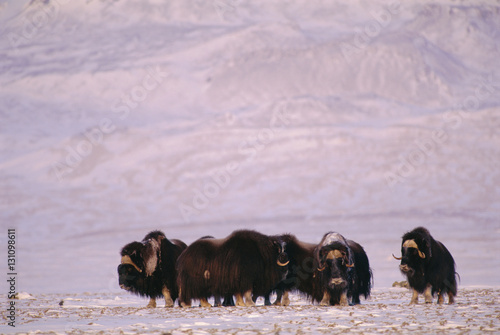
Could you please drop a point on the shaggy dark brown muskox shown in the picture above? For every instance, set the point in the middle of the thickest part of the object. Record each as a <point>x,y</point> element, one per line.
<point>148,268</point>
<point>428,266</point>
<point>243,264</point>
<point>344,271</point>
<point>302,270</point>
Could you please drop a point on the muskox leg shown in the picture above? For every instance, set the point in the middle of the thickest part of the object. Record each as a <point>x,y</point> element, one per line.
<point>343,299</point>
<point>428,294</point>
<point>204,303</point>
<point>279,295</point>
<point>248,299</point>
<point>168,299</point>
<point>239,300</point>
<point>228,301</point>
<point>451,298</point>
<point>326,299</point>
<point>152,303</point>
<point>282,298</point>
<point>183,303</point>
<point>217,302</point>
<point>440,298</point>
<point>414,298</point>
<point>286,298</point>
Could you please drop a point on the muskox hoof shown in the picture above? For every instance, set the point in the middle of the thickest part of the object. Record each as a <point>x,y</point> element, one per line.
<point>151,304</point>
<point>169,303</point>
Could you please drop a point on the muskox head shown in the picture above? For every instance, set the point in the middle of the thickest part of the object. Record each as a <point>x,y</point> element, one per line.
<point>334,256</point>
<point>139,261</point>
<point>415,250</point>
<point>282,259</point>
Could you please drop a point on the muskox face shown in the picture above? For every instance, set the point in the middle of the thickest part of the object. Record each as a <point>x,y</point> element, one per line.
<point>335,261</point>
<point>282,260</point>
<point>139,261</point>
<point>411,257</point>
<point>128,277</point>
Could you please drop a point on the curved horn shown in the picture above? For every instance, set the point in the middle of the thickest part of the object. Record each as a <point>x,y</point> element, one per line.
<point>127,260</point>
<point>398,258</point>
<point>322,269</point>
<point>282,264</point>
<point>350,265</point>
<point>413,244</point>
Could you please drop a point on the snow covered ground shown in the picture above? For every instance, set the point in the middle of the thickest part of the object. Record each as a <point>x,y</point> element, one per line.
<point>201,117</point>
<point>477,312</point>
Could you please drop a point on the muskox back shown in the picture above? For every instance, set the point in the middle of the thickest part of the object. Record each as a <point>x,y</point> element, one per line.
<point>148,268</point>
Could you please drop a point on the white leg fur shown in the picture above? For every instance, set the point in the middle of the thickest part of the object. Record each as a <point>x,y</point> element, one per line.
<point>428,294</point>
<point>239,300</point>
<point>152,303</point>
<point>414,298</point>
<point>204,303</point>
<point>343,299</point>
<point>248,299</point>
<point>326,299</point>
<point>286,299</point>
<point>168,299</point>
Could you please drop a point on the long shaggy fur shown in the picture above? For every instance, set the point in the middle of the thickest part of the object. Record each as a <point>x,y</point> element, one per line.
<point>302,269</point>
<point>437,269</point>
<point>305,277</point>
<point>353,269</point>
<point>244,261</point>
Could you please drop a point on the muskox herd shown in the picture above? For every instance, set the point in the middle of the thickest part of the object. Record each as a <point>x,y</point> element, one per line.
<point>245,265</point>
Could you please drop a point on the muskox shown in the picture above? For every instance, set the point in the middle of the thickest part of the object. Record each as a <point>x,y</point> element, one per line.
<point>244,264</point>
<point>329,272</point>
<point>428,266</point>
<point>148,268</point>
<point>344,271</point>
<point>302,270</point>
